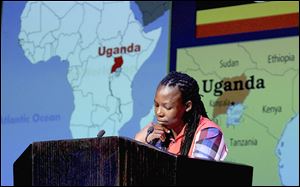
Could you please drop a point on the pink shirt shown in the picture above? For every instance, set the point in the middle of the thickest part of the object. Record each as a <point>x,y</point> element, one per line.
<point>208,142</point>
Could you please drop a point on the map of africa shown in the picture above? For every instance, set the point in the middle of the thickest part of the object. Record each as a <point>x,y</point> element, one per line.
<point>72,68</point>
<point>103,57</point>
<point>251,89</point>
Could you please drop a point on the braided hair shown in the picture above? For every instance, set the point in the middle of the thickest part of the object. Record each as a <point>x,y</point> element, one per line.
<point>189,91</point>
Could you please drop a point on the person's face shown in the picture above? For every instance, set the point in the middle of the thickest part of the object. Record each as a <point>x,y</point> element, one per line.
<point>169,107</point>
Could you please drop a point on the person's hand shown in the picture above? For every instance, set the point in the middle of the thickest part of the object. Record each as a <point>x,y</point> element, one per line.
<point>158,132</point>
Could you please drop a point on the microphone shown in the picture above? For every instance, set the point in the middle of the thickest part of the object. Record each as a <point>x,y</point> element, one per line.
<point>100,133</point>
<point>157,142</point>
<point>149,131</point>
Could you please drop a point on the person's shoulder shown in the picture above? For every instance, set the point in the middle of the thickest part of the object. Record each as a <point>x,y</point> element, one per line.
<point>207,123</point>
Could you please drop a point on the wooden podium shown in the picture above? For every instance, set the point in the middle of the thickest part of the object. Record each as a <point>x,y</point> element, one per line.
<point>119,161</point>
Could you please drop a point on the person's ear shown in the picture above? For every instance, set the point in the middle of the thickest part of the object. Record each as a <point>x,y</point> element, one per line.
<point>188,106</point>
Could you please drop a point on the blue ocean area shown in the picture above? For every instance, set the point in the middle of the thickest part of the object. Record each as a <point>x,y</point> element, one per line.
<point>39,93</point>
<point>288,153</point>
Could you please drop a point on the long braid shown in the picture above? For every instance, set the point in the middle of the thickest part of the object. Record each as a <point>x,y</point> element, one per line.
<point>189,91</point>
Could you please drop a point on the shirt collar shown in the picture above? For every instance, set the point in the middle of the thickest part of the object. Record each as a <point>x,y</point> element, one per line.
<point>179,136</point>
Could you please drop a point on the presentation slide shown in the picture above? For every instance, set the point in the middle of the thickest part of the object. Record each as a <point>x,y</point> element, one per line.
<point>248,74</point>
<point>70,69</point>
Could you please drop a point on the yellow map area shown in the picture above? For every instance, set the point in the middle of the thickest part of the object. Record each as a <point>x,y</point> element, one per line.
<point>263,77</point>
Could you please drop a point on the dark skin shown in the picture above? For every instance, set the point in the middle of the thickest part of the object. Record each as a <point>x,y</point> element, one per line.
<point>169,110</point>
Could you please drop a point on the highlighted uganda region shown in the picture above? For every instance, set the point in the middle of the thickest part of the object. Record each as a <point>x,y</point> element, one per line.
<point>118,64</point>
<point>236,93</point>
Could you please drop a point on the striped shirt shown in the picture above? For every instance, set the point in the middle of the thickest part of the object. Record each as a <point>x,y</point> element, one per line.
<point>208,142</point>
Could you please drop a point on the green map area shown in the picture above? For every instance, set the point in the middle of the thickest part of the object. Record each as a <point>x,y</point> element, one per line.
<point>251,89</point>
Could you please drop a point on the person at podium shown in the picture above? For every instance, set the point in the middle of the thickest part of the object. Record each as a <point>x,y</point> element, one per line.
<point>182,126</point>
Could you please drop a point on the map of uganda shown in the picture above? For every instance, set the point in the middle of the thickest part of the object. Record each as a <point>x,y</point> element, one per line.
<point>251,89</point>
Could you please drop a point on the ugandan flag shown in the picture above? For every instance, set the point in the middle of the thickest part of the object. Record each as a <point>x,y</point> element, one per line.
<point>245,18</point>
